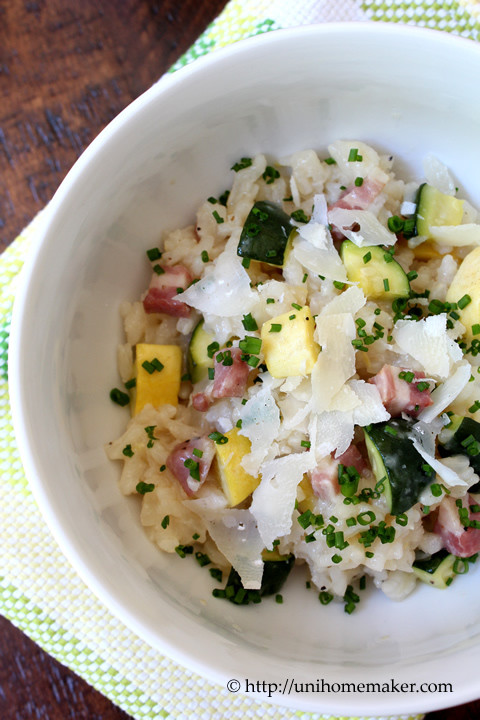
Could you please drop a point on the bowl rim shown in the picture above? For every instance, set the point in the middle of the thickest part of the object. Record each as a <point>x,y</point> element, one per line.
<point>68,545</point>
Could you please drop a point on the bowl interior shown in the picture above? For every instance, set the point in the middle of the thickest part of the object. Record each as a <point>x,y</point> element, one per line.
<point>405,91</point>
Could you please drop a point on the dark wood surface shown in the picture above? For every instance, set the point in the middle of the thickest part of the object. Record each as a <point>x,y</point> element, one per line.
<point>67,67</point>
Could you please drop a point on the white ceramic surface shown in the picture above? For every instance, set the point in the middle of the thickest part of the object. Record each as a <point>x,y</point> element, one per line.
<point>407,91</point>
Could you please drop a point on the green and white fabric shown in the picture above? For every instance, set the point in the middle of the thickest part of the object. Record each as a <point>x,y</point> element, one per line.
<point>40,592</point>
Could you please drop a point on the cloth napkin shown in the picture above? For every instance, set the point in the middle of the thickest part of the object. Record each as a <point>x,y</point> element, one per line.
<point>40,592</point>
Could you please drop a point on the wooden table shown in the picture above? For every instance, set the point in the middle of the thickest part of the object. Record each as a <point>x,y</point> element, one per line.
<point>66,69</point>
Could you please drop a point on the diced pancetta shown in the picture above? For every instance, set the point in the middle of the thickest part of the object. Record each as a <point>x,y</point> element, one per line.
<point>229,379</point>
<point>324,478</point>
<point>193,474</point>
<point>457,539</point>
<point>163,294</point>
<point>230,374</point>
<point>359,197</point>
<point>397,394</point>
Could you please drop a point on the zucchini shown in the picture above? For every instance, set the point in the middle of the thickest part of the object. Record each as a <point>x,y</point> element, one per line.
<point>265,234</point>
<point>375,270</point>
<point>436,570</point>
<point>275,572</point>
<point>198,359</point>
<point>396,465</point>
<point>435,208</point>
<point>462,437</point>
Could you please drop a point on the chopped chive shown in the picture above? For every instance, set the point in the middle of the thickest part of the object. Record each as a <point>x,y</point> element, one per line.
<point>127,451</point>
<point>395,224</point>
<point>476,406</point>
<point>142,488</point>
<point>270,301</point>
<point>163,468</point>
<point>212,200</point>
<point>204,256</point>
<point>154,254</point>
<point>216,574</point>
<point>165,522</point>
<point>270,175</point>
<point>337,558</point>
<point>306,444</point>
<point>198,453</point>
<point>194,467</point>
<point>464,301</point>
<point>275,327</point>
<point>412,275</point>
<point>249,322</point>
<point>119,397</point>
<point>358,181</point>
<point>305,278</point>
<point>386,284</point>
<point>158,270</point>
<point>299,216</point>
<point>211,373</point>
<point>243,163</point>
<point>218,438</point>
<point>353,155</point>
<point>339,285</point>
<point>367,257</point>
<point>475,328</point>
<point>246,262</point>
<point>279,598</point>
<point>131,383</point>
<point>250,344</point>
<point>365,518</point>
<point>330,161</point>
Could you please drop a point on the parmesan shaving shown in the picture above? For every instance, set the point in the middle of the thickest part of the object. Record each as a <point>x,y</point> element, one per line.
<point>428,342</point>
<point>274,499</point>
<point>362,227</point>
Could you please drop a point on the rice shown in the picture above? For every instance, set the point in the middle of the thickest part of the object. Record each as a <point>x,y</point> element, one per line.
<point>302,428</point>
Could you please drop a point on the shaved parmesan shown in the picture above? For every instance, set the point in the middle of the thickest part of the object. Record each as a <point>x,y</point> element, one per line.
<point>314,249</point>
<point>445,394</point>
<point>260,424</point>
<point>236,535</point>
<point>274,499</point>
<point>438,175</point>
<point>428,342</point>
<point>371,409</point>
<point>350,301</point>
<point>336,362</point>
<point>362,227</point>
<point>224,289</point>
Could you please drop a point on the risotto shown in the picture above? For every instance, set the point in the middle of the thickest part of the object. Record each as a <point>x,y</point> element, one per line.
<point>302,373</point>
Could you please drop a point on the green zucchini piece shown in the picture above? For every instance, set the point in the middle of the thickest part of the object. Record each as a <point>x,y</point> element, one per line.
<point>379,275</point>
<point>396,464</point>
<point>435,208</point>
<point>265,234</point>
<point>275,572</point>
<point>198,360</point>
<point>436,570</point>
<point>462,437</point>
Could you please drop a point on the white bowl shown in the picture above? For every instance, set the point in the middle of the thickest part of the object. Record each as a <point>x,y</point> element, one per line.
<point>408,91</point>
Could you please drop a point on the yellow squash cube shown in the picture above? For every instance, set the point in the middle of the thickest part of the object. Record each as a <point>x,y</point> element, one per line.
<point>288,343</point>
<point>237,484</point>
<point>158,372</point>
<point>467,283</point>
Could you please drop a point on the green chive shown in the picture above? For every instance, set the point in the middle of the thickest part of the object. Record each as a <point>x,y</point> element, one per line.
<point>158,270</point>
<point>243,163</point>
<point>142,488</point>
<point>275,327</point>
<point>249,322</point>
<point>204,256</point>
<point>165,522</point>
<point>367,257</point>
<point>119,397</point>
<point>386,284</point>
<point>358,181</point>
<point>154,254</point>
<point>464,301</point>
<point>218,438</point>
<point>127,451</point>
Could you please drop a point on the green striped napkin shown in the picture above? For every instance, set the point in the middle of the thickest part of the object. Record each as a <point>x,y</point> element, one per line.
<point>40,592</point>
